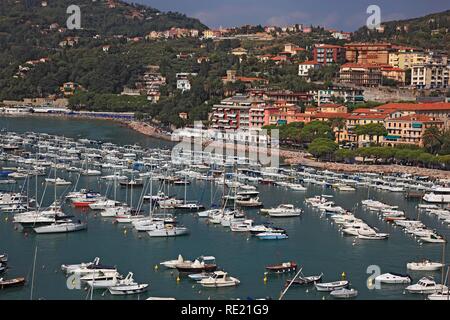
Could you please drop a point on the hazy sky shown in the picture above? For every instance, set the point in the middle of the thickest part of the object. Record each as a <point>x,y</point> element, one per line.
<point>347,15</point>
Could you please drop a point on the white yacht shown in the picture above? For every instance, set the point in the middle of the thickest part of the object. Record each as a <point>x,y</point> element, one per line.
<point>284,211</point>
<point>438,195</point>
<point>426,285</point>
<point>425,265</point>
<point>61,227</point>
<point>392,278</point>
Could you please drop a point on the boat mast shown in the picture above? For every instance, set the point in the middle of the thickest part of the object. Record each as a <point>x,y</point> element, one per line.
<point>34,269</point>
<point>290,283</point>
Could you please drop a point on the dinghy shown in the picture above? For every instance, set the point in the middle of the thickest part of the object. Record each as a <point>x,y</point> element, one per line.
<point>331,286</point>
<point>282,267</point>
<point>16,282</point>
<point>344,293</point>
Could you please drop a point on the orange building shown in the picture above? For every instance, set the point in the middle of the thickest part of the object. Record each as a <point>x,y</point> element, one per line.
<point>368,53</point>
<point>409,129</point>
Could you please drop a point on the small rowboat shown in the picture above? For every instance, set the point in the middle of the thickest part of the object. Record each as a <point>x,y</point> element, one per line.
<point>16,282</point>
<point>305,280</point>
<point>331,286</point>
<point>282,267</point>
<point>344,293</point>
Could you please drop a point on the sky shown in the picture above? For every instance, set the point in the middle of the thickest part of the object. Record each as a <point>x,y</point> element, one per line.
<point>346,15</point>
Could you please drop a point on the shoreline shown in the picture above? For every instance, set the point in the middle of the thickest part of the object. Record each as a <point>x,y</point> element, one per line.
<point>290,157</point>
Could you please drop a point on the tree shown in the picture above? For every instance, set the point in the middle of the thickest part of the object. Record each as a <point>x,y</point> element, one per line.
<point>322,147</point>
<point>432,139</point>
<point>339,124</point>
<point>372,130</point>
<point>316,129</point>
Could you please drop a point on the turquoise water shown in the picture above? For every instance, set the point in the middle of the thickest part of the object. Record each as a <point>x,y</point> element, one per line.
<point>313,242</point>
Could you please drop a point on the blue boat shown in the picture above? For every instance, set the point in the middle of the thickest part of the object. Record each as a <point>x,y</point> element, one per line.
<point>272,236</point>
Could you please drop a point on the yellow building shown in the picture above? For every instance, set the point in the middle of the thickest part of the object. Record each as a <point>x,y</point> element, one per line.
<point>406,59</point>
<point>409,129</point>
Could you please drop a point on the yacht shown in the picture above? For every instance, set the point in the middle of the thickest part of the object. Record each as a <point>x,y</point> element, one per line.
<point>438,195</point>
<point>426,285</point>
<point>61,227</point>
<point>284,211</point>
<point>168,230</point>
<point>425,265</point>
<point>172,264</point>
<point>392,278</point>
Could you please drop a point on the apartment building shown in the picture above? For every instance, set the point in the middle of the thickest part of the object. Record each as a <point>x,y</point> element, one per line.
<point>368,53</point>
<point>409,129</point>
<point>328,54</point>
<point>305,67</point>
<point>235,113</point>
<point>366,75</point>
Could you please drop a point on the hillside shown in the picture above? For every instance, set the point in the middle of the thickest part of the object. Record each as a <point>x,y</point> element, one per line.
<point>429,32</point>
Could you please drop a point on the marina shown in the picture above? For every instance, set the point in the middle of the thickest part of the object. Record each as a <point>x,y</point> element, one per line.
<point>125,201</point>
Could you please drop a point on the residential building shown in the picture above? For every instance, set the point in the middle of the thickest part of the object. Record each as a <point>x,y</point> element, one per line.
<point>234,113</point>
<point>367,75</point>
<point>409,129</point>
<point>69,88</point>
<point>233,77</point>
<point>305,67</point>
<point>432,74</point>
<point>360,117</point>
<point>368,53</point>
<point>328,54</point>
<point>405,59</point>
<point>183,81</point>
<point>393,73</point>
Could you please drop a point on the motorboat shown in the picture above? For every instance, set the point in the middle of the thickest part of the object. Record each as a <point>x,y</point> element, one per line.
<point>433,238</point>
<point>103,281</point>
<point>248,202</point>
<point>127,286</point>
<point>3,258</point>
<point>103,204</point>
<point>393,278</point>
<point>426,285</point>
<point>265,228</point>
<point>282,267</point>
<point>272,236</point>
<point>440,295</point>
<point>200,276</point>
<point>172,264</point>
<point>344,293</point>
<point>331,286</point>
<point>425,265</point>
<point>205,263</point>
<point>284,211</point>
<point>219,279</point>
<point>58,181</point>
<point>190,206</point>
<point>69,268</point>
<point>438,195</point>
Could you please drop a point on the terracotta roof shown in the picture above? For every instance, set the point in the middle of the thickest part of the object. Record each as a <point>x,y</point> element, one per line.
<point>330,115</point>
<point>416,117</point>
<point>360,65</point>
<point>415,106</point>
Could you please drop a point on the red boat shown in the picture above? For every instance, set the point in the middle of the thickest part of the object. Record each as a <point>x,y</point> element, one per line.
<point>389,219</point>
<point>83,203</point>
<point>282,267</point>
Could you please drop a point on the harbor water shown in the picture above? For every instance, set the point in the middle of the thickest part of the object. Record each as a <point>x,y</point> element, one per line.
<point>315,243</point>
